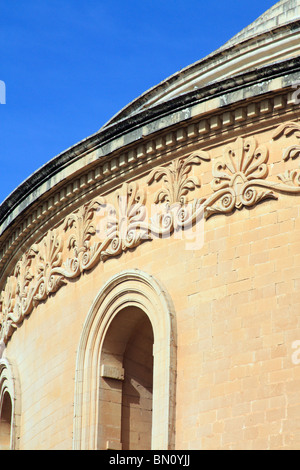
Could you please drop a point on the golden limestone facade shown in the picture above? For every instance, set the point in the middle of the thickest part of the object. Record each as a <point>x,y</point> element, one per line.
<point>150,275</point>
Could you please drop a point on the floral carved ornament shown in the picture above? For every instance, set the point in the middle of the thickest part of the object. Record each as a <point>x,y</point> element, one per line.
<point>99,230</point>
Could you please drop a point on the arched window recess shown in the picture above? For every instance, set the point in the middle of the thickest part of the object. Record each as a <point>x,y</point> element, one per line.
<point>9,407</point>
<point>126,368</point>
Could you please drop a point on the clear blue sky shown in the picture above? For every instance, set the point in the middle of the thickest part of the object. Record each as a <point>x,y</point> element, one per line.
<point>70,65</point>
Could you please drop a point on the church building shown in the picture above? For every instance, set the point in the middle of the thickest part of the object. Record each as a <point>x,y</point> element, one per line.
<point>150,274</point>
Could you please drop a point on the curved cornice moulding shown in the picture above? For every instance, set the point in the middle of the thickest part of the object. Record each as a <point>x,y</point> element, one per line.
<point>273,37</point>
<point>205,104</point>
<point>106,227</point>
<point>240,61</point>
<point>102,164</point>
<point>267,44</point>
<point>48,225</point>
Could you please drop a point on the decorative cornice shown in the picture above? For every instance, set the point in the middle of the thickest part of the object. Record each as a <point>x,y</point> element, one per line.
<point>128,163</point>
<point>110,140</point>
<point>104,228</point>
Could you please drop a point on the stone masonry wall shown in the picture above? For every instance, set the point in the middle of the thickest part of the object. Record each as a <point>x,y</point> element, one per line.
<point>236,298</point>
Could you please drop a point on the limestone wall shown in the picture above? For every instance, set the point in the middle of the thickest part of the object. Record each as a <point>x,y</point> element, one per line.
<point>234,288</point>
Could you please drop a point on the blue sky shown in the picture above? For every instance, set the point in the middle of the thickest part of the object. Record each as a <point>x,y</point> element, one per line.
<point>70,65</point>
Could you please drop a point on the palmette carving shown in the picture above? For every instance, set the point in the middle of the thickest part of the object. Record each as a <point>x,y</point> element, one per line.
<point>7,305</point>
<point>114,228</point>
<point>99,230</point>
<point>287,129</point>
<point>125,225</point>
<point>241,178</point>
<point>14,298</point>
<point>30,285</point>
<point>84,228</point>
<point>49,277</point>
<point>176,214</point>
<point>290,178</point>
<point>238,178</point>
<point>24,274</point>
<point>176,179</point>
<point>82,222</point>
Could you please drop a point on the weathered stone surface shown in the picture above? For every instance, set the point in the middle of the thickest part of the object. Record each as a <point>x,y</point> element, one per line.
<point>150,274</point>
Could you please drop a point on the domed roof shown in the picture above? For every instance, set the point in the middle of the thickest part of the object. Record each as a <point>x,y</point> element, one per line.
<point>273,37</point>
<point>282,13</point>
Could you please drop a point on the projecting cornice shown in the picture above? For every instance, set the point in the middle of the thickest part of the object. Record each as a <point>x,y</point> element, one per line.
<point>264,43</point>
<point>134,130</point>
<point>97,173</point>
<point>106,227</point>
<point>218,137</point>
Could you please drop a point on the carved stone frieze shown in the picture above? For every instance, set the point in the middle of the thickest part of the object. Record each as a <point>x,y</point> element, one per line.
<point>109,171</point>
<point>36,275</point>
<point>126,222</point>
<point>291,177</point>
<point>120,226</point>
<point>287,129</point>
<point>7,303</point>
<point>81,224</point>
<point>49,277</point>
<point>177,181</point>
<point>24,275</point>
<point>238,177</point>
<point>106,227</point>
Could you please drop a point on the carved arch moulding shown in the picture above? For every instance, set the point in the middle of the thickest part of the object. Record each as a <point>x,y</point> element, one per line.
<point>10,385</point>
<point>132,288</point>
<point>106,227</point>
